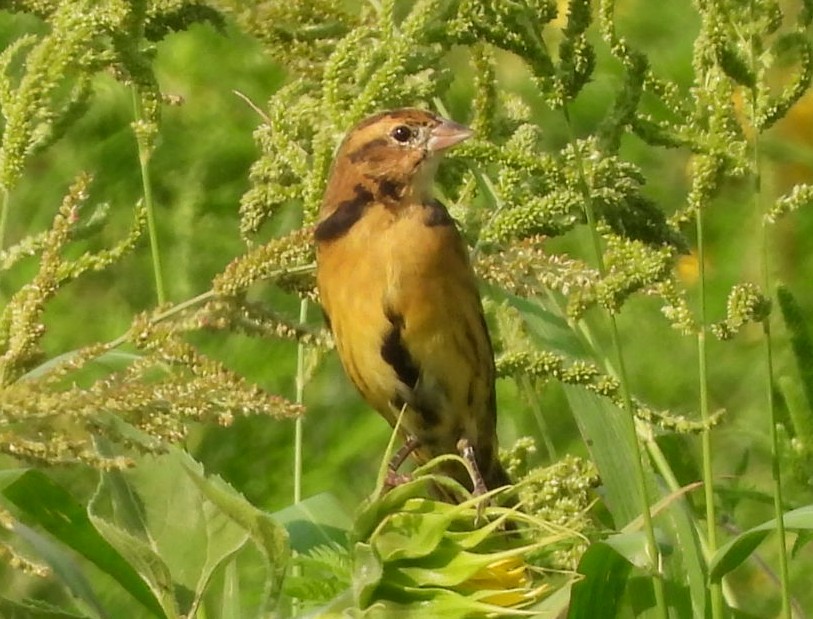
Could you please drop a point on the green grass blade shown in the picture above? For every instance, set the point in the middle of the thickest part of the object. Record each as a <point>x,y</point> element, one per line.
<point>737,550</point>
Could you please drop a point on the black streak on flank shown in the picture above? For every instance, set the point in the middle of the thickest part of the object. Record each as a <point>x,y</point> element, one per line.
<point>435,214</point>
<point>395,353</point>
<point>397,356</point>
<point>345,216</point>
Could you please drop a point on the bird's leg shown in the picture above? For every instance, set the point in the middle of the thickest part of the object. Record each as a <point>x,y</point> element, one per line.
<point>394,478</point>
<point>467,451</point>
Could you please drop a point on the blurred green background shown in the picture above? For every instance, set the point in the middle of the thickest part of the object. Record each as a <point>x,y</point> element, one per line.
<point>200,169</point>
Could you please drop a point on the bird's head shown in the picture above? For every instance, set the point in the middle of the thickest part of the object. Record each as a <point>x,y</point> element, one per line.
<point>396,151</point>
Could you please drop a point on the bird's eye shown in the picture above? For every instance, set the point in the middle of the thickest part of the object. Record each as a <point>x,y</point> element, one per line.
<point>402,134</point>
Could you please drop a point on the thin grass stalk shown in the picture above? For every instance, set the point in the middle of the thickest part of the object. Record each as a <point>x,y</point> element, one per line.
<point>5,206</point>
<point>296,571</point>
<point>776,469</point>
<point>715,589</point>
<point>144,163</point>
<point>526,386</point>
<point>640,476</point>
<point>784,573</point>
<point>202,298</point>
<point>299,399</point>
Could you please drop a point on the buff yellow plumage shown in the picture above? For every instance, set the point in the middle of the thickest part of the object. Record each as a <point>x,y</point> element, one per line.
<point>400,295</point>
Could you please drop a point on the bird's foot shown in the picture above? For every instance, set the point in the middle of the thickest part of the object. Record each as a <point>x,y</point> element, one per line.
<point>395,479</point>
<point>479,488</point>
<point>467,452</point>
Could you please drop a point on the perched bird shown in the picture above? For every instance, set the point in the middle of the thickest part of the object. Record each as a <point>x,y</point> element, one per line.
<point>400,296</point>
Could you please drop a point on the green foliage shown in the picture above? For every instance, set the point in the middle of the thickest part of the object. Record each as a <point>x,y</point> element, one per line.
<point>162,531</point>
<point>604,144</point>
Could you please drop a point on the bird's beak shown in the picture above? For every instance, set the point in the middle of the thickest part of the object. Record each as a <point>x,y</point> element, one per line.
<point>447,134</point>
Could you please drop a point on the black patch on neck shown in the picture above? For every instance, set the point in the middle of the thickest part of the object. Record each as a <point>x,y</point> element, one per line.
<point>366,150</point>
<point>339,222</point>
<point>390,190</point>
<point>435,214</point>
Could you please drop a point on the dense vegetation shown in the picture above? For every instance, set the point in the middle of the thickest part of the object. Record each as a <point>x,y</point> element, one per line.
<point>178,438</point>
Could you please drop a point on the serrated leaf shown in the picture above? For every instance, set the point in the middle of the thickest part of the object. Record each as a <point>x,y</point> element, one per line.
<point>171,530</point>
<point>269,536</point>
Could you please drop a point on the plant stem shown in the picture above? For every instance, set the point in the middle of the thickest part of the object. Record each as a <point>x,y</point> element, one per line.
<point>776,471</point>
<point>526,385</point>
<point>5,206</point>
<point>715,589</point>
<point>144,154</point>
<point>632,435</point>
<point>203,297</point>
<point>300,396</point>
<point>766,326</point>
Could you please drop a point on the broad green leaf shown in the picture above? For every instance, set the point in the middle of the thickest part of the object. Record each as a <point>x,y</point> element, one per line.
<point>737,550</point>
<point>631,546</point>
<point>373,511</point>
<point>605,577</point>
<point>367,573</point>
<point>144,559</point>
<point>269,536</point>
<point>230,597</point>
<point>316,521</point>
<point>50,506</point>
<point>555,605</point>
<point>158,516</point>
<point>410,535</point>
<point>9,476</point>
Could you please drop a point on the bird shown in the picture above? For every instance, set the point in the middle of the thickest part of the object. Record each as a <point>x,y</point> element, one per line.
<point>400,297</point>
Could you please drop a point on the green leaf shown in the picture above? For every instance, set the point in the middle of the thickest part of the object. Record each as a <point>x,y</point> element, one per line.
<point>145,560</point>
<point>737,550</point>
<point>367,573</point>
<point>34,609</point>
<point>161,516</point>
<point>267,534</point>
<point>410,535</point>
<point>601,425</point>
<point>316,521</point>
<point>50,506</point>
<point>605,577</point>
<point>554,606</point>
<point>64,567</point>
<point>631,546</point>
<point>9,476</point>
